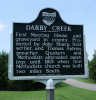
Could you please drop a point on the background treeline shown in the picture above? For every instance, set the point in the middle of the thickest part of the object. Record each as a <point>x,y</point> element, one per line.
<point>20,85</point>
<point>6,84</point>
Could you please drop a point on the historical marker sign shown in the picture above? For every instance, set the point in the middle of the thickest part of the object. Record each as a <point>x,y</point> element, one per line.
<point>47,48</point>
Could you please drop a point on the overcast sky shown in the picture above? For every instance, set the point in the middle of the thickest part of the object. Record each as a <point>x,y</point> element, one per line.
<point>71,11</point>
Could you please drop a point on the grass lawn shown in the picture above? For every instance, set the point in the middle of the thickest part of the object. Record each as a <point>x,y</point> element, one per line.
<point>65,92</point>
<point>86,80</point>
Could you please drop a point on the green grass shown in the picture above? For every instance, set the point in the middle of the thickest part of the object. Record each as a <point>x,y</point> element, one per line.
<point>13,95</point>
<point>65,92</point>
<point>86,80</point>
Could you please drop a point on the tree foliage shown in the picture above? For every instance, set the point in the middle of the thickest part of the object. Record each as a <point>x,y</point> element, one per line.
<point>20,85</point>
<point>92,68</point>
<point>3,70</point>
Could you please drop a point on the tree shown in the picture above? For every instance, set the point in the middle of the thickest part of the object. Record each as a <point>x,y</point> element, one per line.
<point>92,68</point>
<point>3,70</point>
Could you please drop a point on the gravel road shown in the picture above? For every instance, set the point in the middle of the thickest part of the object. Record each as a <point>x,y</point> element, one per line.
<point>79,84</point>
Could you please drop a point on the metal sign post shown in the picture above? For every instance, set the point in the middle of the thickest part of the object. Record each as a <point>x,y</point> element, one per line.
<point>50,90</point>
<point>47,49</point>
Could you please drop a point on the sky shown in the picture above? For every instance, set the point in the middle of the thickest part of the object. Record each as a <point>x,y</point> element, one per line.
<point>78,12</point>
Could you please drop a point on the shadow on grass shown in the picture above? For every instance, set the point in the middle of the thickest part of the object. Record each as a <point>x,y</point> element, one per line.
<point>61,84</point>
<point>30,86</point>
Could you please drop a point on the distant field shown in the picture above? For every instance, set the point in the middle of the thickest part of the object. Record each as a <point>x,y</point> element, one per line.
<point>65,92</point>
<point>86,80</point>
